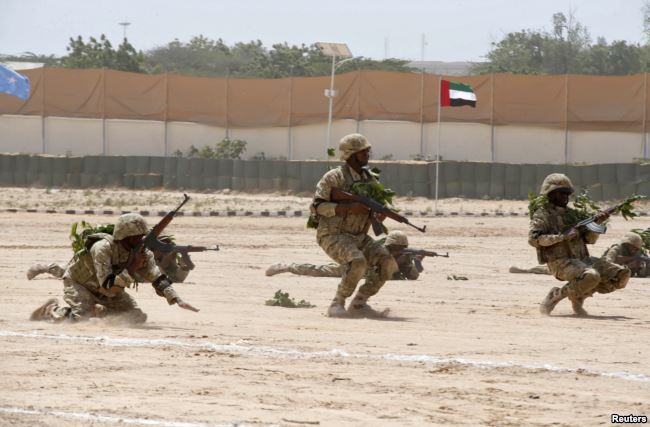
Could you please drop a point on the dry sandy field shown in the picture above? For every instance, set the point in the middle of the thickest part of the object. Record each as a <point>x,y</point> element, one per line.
<point>472,352</point>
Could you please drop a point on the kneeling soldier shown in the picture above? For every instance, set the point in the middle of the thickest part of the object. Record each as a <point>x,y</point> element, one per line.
<point>99,276</point>
<point>566,255</point>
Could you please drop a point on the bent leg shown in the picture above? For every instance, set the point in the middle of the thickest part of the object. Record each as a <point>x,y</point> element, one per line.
<point>326,270</point>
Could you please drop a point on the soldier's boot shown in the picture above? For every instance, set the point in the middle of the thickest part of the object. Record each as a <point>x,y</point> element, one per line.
<point>576,305</point>
<point>360,307</point>
<point>550,301</point>
<point>44,312</point>
<point>337,308</point>
<point>277,269</point>
<point>35,270</point>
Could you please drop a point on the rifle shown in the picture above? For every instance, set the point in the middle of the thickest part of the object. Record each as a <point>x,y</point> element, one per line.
<point>590,223</point>
<point>421,252</point>
<point>151,239</point>
<point>339,195</point>
<point>157,245</point>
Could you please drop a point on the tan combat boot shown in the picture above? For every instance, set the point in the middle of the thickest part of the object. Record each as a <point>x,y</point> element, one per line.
<point>337,308</point>
<point>44,312</point>
<point>551,300</point>
<point>35,270</point>
<point>359,307</point>
<point>576,305</point>
<point>277,269</point>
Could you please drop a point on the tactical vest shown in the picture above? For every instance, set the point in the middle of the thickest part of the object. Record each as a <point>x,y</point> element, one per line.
<point>346,223</point>
<point>82,268</point>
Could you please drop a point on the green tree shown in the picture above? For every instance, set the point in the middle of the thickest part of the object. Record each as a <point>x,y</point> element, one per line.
<point>101,54</point>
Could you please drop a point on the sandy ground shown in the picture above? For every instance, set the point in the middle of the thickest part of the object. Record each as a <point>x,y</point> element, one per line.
<point>473,352</point>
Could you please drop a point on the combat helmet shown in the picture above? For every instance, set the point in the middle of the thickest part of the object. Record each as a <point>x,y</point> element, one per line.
<point>556,181</point>
<point>397,238</point>
<point>131,224</point>
<point>352,143</point>
<point>633,239</point>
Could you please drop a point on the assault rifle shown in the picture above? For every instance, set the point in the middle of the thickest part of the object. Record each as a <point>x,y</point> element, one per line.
<point>342,196</point>
<point>590,223</point>
<point>421,253</point>
<point>152,243</point>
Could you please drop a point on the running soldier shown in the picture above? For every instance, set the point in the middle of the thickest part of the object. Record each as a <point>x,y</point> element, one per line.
<point>94,282</point>
<point>566,254</point>
<point>343,231</point>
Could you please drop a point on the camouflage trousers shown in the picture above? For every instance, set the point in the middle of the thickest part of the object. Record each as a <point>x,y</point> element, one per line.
<point>326,270</point>
<point>81,304</point>
<point>589,275</point>
<point>359,255</point>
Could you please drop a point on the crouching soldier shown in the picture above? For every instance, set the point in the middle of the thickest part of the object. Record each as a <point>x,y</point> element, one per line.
<point>95,280</point>
<point>566,254</point>
<point>343,231</point>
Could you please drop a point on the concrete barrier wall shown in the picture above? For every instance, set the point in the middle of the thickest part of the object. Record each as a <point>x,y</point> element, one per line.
<point>399,140</point>
<point>457,179</point>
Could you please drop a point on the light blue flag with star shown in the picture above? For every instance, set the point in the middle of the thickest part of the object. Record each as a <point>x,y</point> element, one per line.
<point>13,83</point>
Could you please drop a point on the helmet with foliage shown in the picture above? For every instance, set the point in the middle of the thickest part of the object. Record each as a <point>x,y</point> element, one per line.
<point>352,143</point>
<point>131,224</point>
<point>397,238</point>
<point>633,239</point>
<point>556,181</point>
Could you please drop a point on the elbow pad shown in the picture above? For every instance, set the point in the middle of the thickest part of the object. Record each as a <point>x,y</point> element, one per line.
<point>160,284</point>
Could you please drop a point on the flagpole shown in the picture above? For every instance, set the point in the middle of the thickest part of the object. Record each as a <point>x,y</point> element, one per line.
<point>438,148</point>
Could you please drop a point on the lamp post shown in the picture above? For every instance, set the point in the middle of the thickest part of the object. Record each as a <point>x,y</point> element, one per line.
<point>342,51</point>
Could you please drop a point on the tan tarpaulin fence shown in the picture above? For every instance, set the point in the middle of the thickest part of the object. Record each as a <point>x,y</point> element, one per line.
<point>574,102</point>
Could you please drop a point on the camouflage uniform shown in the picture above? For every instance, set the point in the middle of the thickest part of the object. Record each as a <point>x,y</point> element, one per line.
<point>344,237</point>
<point>621,249</point>
<point>630,245</point>
<point>406,271</point>
<point>85,279</point>
<point>568,258</point>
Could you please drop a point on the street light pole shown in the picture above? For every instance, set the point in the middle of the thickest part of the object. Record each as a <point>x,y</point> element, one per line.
<point>334,50</point>
<point>330,95</point>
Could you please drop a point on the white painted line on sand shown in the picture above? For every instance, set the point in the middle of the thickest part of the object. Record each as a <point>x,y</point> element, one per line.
<point>331,354</point>
<point>85,416</point>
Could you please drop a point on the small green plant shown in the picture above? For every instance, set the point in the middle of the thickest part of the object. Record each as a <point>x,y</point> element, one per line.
<point>282,299</point>
<point>331,152</point>
<point>79,232</point>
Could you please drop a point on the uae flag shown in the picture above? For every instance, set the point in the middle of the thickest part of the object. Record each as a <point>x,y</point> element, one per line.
<point>454,94</point>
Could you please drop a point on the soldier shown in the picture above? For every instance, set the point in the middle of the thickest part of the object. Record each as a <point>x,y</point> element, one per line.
<point>629,252</point>
<point>566,255</point>
<point>409,266</point>
<point>98,277</point>
<point>167,262</point>
<point>342,231</point>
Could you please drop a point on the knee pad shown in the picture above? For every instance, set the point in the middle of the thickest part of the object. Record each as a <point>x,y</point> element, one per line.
<point>387,268</point>
<point>623,277</point>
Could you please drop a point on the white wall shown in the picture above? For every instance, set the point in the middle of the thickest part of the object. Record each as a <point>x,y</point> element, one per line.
<point>518,144</point>
<point>21,134</point>
<point>74,136</point>
<point>459,141</point>
<point>182,135</point>
<point>604,147</point>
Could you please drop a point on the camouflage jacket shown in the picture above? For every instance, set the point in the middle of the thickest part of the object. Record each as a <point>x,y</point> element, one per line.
<point>545,234</point>
<point>107,257</point>
<point>329,222</point>
<point>615,251</point>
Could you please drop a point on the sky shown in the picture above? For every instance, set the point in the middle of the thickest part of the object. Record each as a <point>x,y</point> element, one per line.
<point>454,30</point>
